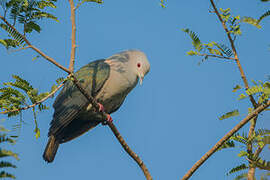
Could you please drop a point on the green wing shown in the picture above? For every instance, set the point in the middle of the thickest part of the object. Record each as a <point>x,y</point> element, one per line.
<point>70,102</point>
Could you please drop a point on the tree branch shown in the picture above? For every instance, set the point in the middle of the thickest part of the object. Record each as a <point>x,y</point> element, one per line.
<point>93,101</point>
<point>253,114</point>
<point>37,103</point>
<point>243,76</point>
<point>134,156</point>
<point>251,172</point>
<point>216,56</point>
<point>35,48</point>
<point>73,36</point>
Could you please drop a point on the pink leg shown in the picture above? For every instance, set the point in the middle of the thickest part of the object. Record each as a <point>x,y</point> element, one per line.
<point>101,107</point>
<point>109,118</point>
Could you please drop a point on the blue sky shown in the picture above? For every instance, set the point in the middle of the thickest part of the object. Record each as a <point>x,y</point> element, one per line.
<point>172,119</point>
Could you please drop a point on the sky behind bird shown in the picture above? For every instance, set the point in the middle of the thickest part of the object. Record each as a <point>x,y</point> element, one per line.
<point>172,119</point>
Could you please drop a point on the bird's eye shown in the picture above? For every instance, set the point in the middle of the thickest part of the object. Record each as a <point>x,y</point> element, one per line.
<point>138,65</point>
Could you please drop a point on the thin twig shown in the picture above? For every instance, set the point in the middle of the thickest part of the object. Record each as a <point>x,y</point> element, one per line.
<point>35,48</point>
<point>253,114</point>
<point>37,103</point>
<point>134,156</point>
<point>16,50</point>
<point>216,56</point>
<point>251,172</point>
<point>73,36</point>
<point>243,76</point>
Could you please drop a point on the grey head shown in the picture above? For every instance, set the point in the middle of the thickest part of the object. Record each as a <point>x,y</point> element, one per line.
<point>132,62</point>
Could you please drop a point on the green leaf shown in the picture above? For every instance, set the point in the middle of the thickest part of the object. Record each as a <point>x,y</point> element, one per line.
<point>35,58</point>
<point>241,139</point>
<point>237,169</point>
<point>225,11</point>
<point>3,138</point>
<point>251,21</point>
<point>242,176</point>
<point>195,39</point>
<point>225,49</point>
<point>5,164</point>
<point>4,174</point>
<point>242,96</point>
<point>43,4</point>
<point>16,35</point>
<point>267,13</point>
<point>40,15</point>
<point>254,90</point>
<point>3,42</point>
<point>30,26</point>
<point>230,114</point>
<point>237,87</point>
<point>6,153</point>
<point>243,153</point>
<point>227,144</point>
<point>96,1</point>
<point>192,53</point>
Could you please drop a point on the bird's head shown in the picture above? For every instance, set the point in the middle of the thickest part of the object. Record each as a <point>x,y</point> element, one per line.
<point>139,63</point>
<point>134,61</point>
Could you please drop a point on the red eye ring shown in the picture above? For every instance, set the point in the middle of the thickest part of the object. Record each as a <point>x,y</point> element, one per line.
<point>138,65</point>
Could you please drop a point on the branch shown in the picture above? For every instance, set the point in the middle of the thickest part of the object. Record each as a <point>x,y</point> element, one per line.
<point>134,156</point>
<point>35,48</point>
<point>251,172</point>
<point>73,36</point>
<point>253,114</point>
<point>37,103</point>
<point>216,56</point>
<point>243,76</point>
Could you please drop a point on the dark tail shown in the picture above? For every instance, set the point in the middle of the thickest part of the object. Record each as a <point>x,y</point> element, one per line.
<point>51,149</point>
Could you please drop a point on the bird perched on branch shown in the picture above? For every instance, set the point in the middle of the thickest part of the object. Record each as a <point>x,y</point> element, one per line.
<point>108,81</point>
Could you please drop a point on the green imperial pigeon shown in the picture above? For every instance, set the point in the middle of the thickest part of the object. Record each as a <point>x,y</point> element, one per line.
<point>108,81</point>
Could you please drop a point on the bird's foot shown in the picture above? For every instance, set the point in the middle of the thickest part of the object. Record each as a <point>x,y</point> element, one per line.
<point>108,120</point>
<point>100,107</point>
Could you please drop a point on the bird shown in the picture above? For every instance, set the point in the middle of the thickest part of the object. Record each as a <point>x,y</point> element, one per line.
<point>108,81</point>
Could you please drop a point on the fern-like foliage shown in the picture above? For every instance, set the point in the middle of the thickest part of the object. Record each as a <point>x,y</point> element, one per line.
<point>227,144</point>
<point>27,14</point>
<point>207,49</point>
<point>17,37</point>
<point>261,89</point>
<point>195,39</point>
<point>255,22</point>
<point>242,176</point>
<point>4,138</point>
<point>230,114</point>
<point>238,168</point>
<point>83,1</point>
<point>225,49</point>
<point>19,93</point>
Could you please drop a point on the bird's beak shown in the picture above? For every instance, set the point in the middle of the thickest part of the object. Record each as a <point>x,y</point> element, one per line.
<point>141,78</point>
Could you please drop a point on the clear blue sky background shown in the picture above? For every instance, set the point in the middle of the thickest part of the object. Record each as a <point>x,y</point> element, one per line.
<point>170,121</point>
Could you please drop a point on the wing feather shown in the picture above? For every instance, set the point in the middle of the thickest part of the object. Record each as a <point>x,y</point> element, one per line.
<point>70,102</point>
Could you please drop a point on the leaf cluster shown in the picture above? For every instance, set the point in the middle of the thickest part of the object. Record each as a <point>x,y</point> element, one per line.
<point>207,49</point>
<point>16,94</point>
<point>255,22</point>
<point>259,139</point>
<point>259,89</point>
<point>27,14</point>
<point>4,138</point>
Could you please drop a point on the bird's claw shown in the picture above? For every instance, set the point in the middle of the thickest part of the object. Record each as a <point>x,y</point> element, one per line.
<point>108,120</point>
<point>100,107</point>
